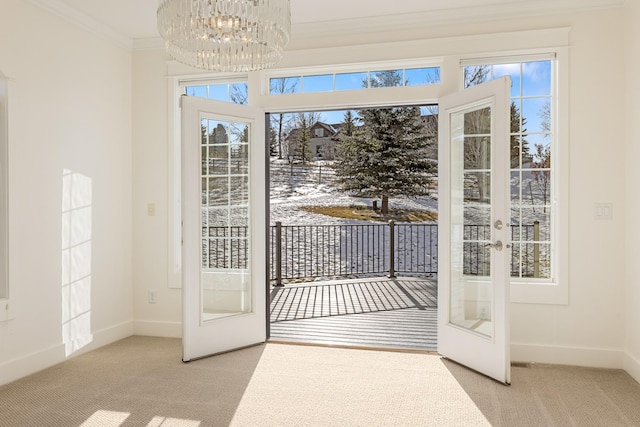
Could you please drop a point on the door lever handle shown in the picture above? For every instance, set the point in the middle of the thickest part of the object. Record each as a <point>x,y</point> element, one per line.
<point>497,245</point>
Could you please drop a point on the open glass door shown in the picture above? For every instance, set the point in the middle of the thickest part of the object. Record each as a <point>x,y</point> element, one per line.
<point>223,223</point>
<point>473,236</point>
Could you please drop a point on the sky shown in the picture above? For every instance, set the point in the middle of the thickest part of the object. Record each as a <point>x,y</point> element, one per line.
<point>531,88</point>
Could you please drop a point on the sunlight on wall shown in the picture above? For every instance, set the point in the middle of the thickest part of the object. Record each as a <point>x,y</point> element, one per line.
<point>76,261</point>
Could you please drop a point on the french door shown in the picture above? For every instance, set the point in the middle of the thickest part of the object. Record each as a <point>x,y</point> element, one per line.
<point>223,227</point>
<point>474,233</point>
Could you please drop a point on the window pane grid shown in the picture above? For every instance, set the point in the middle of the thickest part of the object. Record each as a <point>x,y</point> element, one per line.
<point>225,194</point>
<point>236,93</point>
<point>531,161</point>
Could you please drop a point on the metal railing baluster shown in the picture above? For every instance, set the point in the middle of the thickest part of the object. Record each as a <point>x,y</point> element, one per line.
<point>311,251</point>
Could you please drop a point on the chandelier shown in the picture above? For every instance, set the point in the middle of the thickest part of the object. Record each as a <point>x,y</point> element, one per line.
<point>225,35</point>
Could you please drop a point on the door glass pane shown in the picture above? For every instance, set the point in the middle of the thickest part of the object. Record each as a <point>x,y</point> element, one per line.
<point>471,270</point>
<point>225,274</point>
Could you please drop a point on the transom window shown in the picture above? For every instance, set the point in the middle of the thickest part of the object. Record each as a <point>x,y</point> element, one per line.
<point>532,170</point>
<point>227,92</point>
<point>354,80</point>
<point>538,138</point>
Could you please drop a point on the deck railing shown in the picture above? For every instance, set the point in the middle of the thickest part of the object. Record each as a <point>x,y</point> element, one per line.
<point>303,252</point>
<point>308,251</point>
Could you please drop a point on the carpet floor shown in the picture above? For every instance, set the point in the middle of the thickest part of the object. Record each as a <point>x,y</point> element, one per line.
<point>141,381</point>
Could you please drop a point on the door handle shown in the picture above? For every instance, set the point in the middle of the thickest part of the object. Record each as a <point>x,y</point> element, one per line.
<point>497,245</point>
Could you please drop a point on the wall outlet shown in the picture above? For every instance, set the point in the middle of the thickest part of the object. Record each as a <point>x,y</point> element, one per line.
<point>151,296</point>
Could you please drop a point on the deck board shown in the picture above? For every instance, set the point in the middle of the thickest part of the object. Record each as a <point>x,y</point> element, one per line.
<point>385,313</point>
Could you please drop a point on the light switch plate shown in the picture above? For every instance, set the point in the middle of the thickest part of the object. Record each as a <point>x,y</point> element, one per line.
<point>603,211</point>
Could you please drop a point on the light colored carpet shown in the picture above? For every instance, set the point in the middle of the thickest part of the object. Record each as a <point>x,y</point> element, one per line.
<point>140,381</point>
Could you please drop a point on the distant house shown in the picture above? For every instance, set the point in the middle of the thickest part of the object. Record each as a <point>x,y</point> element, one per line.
<point>323,139</point>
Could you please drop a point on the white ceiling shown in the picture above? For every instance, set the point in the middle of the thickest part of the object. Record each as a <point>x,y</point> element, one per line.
<point>131,20</point>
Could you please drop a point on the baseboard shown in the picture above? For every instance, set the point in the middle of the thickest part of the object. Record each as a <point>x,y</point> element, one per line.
<point>50,356</point>
<point>107,336</point>
<point>153,328</point>
<point>31,363</point>
<point>632,366</point>
<point>562,355</point>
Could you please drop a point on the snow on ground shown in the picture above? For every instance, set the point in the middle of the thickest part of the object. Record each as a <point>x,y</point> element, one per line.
<point>290,193</point>
<point>293,188</point>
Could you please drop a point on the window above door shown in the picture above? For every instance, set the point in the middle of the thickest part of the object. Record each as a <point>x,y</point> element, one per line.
<point>539,175</point>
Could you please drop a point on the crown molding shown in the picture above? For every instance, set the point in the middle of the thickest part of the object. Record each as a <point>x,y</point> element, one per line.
<point>148,43</point>
<point>355,26</point>
<point>441,17</point>
<point>84,21</point>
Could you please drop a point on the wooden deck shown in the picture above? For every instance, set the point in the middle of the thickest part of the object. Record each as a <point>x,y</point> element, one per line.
<point>380,312</point>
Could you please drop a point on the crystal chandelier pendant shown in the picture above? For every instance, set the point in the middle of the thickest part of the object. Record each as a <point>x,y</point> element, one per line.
<point>225,35</point>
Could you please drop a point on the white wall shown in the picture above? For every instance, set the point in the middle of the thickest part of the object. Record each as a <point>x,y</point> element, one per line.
<point>70,108</point>
<point>632,151</point>
<point>151,162</point>
<point>587,331</point>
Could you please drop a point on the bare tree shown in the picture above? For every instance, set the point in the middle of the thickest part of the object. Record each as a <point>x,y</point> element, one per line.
<point>477,149</point>
<point>239,93</point>
<point>545,115</point>
<point>299,137</point>
<point>303,138</point>
<point>476,74</point>
<point>542,156</point>
<point>279,120</point>
<point>542,172</point>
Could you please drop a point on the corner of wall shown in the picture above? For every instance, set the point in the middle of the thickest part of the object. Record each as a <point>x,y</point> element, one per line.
<point>43,359</point>
<point>632,150</point>
<point>632,366</point>
<point>152,328</point>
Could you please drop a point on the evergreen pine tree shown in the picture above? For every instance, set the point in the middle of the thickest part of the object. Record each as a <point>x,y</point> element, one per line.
<point>386,156</point>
